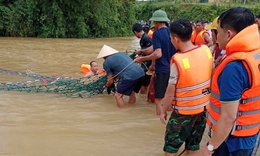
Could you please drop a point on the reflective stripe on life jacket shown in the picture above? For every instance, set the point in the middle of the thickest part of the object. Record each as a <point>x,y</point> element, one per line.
<point>197,38</point>
<point>192,88</point>
<point>248,116</point>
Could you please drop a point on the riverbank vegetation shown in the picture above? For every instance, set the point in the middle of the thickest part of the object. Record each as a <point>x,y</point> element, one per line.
<point>192,11</point>
<point>66,18</point>
<point>97,18</point>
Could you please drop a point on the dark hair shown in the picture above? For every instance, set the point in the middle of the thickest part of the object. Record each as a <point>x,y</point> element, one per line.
<point>137,27</point>
<point>146,29</point>
<point>182,28</point>
<point>236,19</point>
<point>200,21</point>
<point>166,23</point>
<point>257,16</point>
<point>91,63</point>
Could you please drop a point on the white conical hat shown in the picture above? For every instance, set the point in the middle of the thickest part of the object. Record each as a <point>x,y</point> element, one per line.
<point>106,51</point>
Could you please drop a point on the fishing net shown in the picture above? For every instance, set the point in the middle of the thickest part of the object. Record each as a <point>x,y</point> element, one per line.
<point>69,86</point>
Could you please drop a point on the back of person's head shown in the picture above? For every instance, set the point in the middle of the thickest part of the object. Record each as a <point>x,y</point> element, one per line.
<point>137,27</point>
<point>236,19</point>
<point>182,28</point>
<point>146,29</point>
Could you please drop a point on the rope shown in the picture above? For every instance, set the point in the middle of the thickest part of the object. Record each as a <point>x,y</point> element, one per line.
<point>124,69</point>
<point>132,51</point>
<point>121,71</point>
<point>182,152</point>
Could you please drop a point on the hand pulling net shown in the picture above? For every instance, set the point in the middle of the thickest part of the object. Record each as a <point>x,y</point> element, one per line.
<point>71,87</point>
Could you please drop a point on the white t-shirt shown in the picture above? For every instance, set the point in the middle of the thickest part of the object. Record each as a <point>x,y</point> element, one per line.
<point>174,74</point>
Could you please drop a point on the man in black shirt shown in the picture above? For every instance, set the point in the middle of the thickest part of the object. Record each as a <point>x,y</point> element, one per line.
<point>145,43</point>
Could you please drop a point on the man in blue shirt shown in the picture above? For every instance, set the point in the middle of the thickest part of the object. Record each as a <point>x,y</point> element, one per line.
<point>234,108</point>
<point>121,66</point>
<point>162,52</point>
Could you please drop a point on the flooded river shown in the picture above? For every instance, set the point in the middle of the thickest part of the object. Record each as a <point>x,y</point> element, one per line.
<point>46,124</point>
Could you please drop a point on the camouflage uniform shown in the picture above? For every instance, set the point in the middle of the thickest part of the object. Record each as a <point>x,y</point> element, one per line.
<point>184,128</point>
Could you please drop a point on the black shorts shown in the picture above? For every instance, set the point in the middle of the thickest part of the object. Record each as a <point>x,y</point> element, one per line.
<point>126,87</point>
<point>146,80</point>
<point>160,84</point>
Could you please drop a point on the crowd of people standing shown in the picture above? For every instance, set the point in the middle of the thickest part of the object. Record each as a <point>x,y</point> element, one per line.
<point>203,74</point>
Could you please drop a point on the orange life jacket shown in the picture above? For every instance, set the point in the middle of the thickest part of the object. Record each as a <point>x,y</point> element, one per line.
<point>192,87</point>
<point>150,33</point>
<point>197,38</point>
<point>85,68</point>
<point>248,116</point>
<point>102,72</point>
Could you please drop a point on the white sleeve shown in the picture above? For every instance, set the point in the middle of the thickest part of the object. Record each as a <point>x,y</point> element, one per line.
<point>174,74</point>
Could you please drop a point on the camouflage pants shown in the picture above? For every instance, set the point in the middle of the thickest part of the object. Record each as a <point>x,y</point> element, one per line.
<point>184,128</point>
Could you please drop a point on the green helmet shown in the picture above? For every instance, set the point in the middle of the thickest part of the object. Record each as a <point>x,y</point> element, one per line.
<point>151,26</point>
<point>159,16</point>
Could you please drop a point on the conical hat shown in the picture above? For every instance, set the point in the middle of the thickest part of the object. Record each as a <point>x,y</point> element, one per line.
<point>106,51</point>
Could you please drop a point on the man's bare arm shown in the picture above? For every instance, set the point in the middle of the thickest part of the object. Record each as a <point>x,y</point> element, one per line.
<point>153,56</point>
<point>145,51</point>
<point>208,40</point>
<point>225,123</point>
<point>110,80</point>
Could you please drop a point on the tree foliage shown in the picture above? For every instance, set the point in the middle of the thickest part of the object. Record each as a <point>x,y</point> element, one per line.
<point>190,11</point>
<point>98,18</point>
<point>64,18</point>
